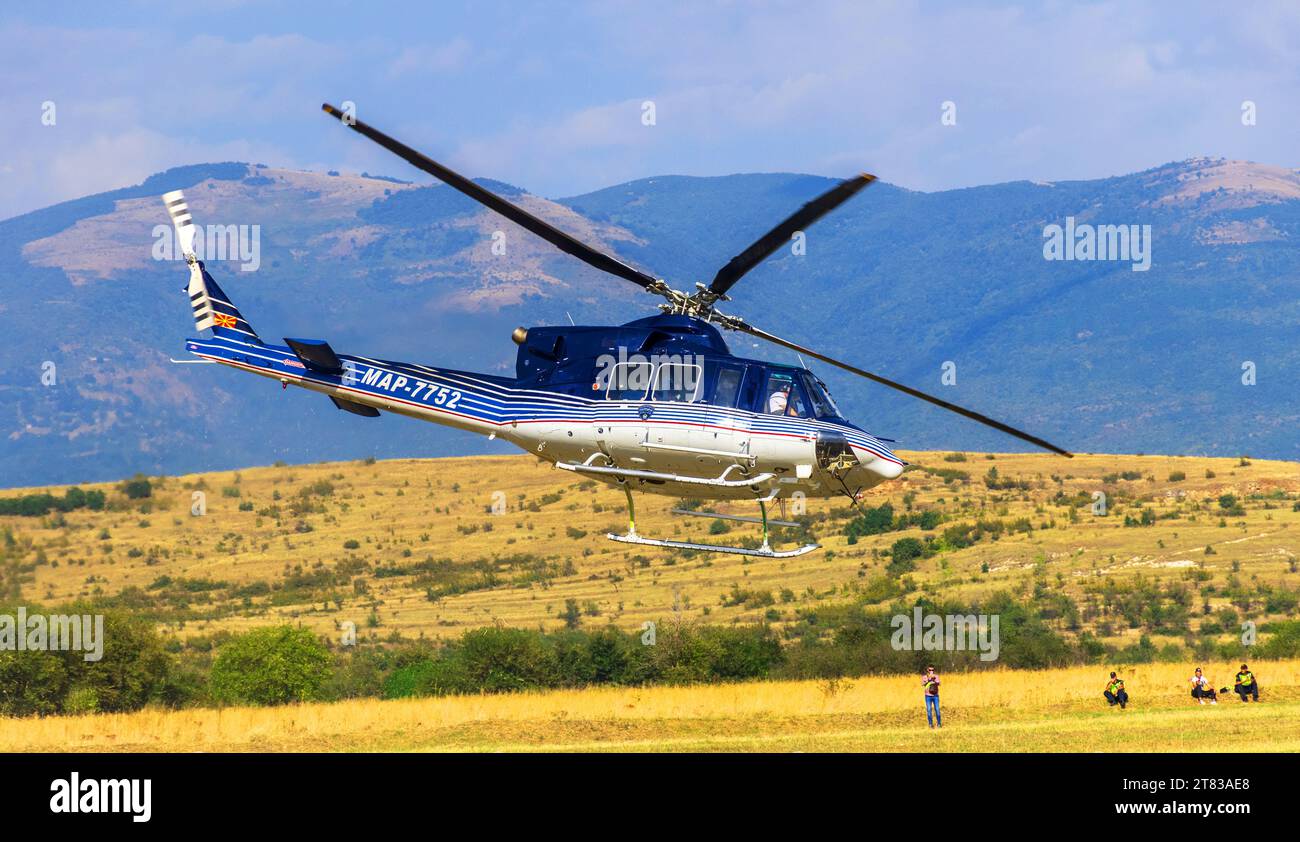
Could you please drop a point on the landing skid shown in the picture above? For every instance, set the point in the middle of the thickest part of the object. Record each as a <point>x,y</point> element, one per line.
<point>764,552</point>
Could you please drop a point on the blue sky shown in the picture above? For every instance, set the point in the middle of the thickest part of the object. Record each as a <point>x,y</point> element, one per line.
<point>549,95</point>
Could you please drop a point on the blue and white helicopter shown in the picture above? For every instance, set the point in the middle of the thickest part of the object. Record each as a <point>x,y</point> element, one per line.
<point>658,404</point>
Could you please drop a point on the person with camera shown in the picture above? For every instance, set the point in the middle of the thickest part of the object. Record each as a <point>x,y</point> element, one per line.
<point>930,682</point>
<point>1115,693</point>
<point>1203,689</point>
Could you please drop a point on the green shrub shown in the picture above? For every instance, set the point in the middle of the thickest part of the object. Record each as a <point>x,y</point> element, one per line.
<point>680,656</point>
<point>1284,642</point>
<point>272,665</point>
<point>741,652</point>
<point>81,700</point>
<point>874,521</point>
<point>903,555</point>
<point>496,659</point>
<point>134,671</point>
<point>410,680</point>
<point>31,683</point>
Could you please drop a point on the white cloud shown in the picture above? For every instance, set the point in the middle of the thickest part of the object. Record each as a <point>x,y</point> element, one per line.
<point>452,56</point>
<point>550,97</point>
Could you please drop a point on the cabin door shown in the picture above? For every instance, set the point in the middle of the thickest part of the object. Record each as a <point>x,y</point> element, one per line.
<point>619,425</point>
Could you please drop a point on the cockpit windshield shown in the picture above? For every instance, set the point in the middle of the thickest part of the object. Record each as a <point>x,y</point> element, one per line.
<point>823,405</point>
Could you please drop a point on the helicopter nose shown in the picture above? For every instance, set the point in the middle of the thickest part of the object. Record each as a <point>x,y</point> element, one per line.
<point>890,468</point>
<point>883,463</point>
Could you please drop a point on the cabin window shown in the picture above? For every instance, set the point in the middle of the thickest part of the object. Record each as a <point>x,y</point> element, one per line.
<point>784,396</point>
<point>678,382</point>
<point>627,381</point>
<point>727,388</point>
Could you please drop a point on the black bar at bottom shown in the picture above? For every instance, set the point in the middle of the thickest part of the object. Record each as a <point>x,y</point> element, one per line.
<point>337,791</point>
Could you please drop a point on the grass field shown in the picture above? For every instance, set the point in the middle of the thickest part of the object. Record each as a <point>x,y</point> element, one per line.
<point>1186,550</point>
<point>1001,711</point>
<point>411,547</point>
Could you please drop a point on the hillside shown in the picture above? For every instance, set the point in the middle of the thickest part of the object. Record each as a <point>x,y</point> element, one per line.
<point>1188,548</point>
<point>1088,354</point>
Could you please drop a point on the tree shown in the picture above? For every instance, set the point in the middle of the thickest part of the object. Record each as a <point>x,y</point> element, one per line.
<point>134,669</point>
<point>572,615</point>
<point>872,522</point>
<point>501,659</point>
<point>31,683</point>
<point>904,553</point>
<point>271,666</point>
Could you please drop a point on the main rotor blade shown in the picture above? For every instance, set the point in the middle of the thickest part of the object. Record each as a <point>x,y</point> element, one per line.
<point>780,235</point>
<point>916,393</point>
<point>564,242</point>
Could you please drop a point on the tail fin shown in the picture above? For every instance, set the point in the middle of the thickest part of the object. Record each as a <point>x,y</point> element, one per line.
<point>212,307</point>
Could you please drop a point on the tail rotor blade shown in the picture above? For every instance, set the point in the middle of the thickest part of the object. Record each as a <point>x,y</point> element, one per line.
<point>180,214</point>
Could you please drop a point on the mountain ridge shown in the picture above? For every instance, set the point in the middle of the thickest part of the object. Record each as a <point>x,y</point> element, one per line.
<point>899,281</point>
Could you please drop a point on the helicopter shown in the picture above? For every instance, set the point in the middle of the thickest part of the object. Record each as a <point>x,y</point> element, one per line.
<point>658,405</point>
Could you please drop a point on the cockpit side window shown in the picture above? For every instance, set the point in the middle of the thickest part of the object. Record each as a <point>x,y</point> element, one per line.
<point>784,396</point>
<point>726,389</point>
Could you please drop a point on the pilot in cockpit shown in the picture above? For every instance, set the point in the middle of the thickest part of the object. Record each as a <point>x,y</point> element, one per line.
<point>784,399</point>
<point>779,399</point>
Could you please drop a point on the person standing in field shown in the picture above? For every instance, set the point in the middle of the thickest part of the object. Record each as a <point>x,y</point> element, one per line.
<point>1115,693</point>
<point>930,682</point>
<point>1246,685</point>
<point>1203,689</point>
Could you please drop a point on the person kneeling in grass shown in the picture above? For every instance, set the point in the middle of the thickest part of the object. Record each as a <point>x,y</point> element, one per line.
<point>1246,685</point>
<point>1202,689</point>
<point>1115,693</point>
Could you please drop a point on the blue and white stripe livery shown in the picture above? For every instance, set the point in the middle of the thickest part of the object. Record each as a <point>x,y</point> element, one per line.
<point>682,439</point>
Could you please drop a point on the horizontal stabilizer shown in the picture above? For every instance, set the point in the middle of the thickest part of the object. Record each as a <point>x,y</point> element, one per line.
<point>317,355</point>
<point>355,408</point>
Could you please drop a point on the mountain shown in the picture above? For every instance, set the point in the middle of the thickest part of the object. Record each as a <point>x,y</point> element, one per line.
<point>1087,353</point>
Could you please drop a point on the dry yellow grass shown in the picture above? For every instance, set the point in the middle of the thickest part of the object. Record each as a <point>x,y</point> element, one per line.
<point>1002,710</point>
<point>403,511</point>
